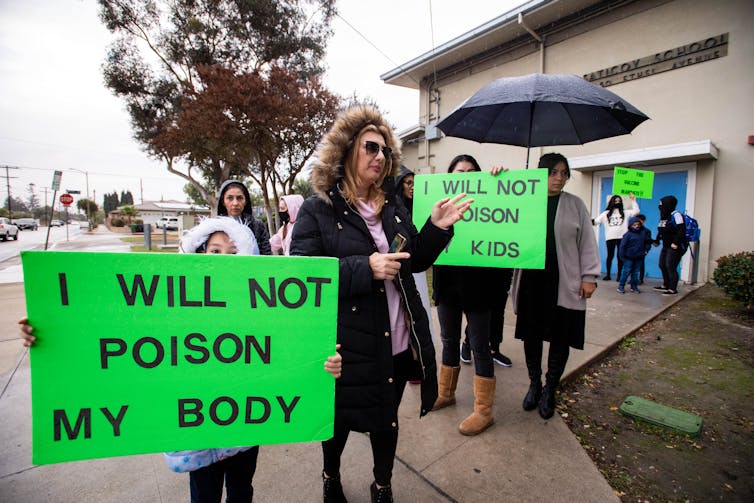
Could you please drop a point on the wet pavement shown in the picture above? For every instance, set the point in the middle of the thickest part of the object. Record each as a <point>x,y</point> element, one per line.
<point>520,458</point>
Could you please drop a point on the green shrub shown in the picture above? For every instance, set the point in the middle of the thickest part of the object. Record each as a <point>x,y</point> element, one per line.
<point>735,276</point>
<point>118,222</point>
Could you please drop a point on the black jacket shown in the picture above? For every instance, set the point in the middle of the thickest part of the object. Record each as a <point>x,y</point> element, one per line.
<point>670,230</point>
<point>328,226</point>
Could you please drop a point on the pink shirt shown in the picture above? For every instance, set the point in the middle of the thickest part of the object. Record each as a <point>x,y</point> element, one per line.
<point>398,328</point>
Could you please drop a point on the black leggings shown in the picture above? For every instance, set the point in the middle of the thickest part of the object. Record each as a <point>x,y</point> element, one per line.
<point>478,331</point>
<point>669,260</point>
<point>236,471</point>
<point>557,358</point>
<point>384,442</point>
<point>612,246</point>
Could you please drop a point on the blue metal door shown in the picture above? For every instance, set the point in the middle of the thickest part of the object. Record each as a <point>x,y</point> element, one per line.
<point>667,183</point>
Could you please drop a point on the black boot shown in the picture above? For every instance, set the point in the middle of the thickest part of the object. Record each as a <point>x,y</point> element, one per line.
<point>332,490</point>
<point>382,495</point>
<point>531,400</point>
<point>556,363</point>
<point>533,354</point>
<point>547,403</point>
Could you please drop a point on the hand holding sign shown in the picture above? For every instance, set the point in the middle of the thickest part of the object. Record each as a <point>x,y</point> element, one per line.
<point>505,227</point>
<point>214,349</point>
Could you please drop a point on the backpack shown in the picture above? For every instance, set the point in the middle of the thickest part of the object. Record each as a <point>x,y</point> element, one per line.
<point>692,231</point>
<point>692,228</point>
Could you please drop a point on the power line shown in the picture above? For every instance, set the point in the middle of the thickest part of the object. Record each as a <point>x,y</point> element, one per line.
<point>375,46</point>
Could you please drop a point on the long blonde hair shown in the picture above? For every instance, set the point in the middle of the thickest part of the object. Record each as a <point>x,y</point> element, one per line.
<point>375,195</point>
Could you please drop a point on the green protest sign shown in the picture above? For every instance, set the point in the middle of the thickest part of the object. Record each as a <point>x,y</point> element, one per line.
<point>504,227</point>
<point>142,353</point>
<point>627,180</point>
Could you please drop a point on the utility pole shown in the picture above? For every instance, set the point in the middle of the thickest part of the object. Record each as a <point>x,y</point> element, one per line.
<point>7,184</point>
<point>45,189</point>
<point>86,174</point>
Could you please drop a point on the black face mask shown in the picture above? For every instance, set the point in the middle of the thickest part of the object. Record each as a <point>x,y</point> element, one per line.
<point>284,216</point>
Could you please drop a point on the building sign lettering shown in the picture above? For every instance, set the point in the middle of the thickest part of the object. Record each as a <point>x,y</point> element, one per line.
<point>679,57</point>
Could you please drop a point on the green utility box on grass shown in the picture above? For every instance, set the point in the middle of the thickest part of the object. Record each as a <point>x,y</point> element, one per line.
<point>662,415</point>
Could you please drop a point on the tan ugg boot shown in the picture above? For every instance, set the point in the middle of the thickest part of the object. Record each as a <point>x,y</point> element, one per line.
<point>446,387</point>
<point>481,418</point>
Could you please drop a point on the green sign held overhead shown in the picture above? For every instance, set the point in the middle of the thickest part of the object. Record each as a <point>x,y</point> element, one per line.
<point>142,353</point>
<point>636,181</point>
<point>504,227</point>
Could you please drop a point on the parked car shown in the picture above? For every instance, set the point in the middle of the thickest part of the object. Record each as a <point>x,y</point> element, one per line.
<point>167,223</point>
<point>8,230</point>
<point>26,223</point>
<point>84,225</point>
<point>56,223</point>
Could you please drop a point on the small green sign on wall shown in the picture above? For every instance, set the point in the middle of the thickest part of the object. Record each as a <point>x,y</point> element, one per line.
<point>636,181</point>
<point>504,227</point>
<point>142,353</point>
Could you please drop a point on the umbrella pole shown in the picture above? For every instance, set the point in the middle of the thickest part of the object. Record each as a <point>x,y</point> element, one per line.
<point>531,121</point>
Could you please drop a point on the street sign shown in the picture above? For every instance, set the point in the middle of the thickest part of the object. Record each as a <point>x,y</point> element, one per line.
<point>69,191</point>
<point>56,180</point>
<point>66,199</point>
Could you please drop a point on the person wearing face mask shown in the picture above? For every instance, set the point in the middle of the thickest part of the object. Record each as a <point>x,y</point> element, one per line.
<point>671,231</point>
<point>615,220</point>
<point>287,211</point>
<point>550,303</point>
<point>234,201</point>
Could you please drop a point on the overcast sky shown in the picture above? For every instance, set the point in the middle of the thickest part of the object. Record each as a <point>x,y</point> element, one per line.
<point>55,112</point>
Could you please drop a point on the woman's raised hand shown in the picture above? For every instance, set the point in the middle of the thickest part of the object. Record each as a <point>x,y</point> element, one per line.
<point>496,170</point>
<point>448,211</point>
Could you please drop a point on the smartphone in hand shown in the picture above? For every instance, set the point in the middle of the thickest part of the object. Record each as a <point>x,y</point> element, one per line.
<point>399,241</point>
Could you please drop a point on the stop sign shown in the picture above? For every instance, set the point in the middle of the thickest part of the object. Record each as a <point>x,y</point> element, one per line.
<point>66,199</point>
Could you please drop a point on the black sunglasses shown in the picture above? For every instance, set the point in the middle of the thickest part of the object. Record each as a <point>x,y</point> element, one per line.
<point>372,147</point>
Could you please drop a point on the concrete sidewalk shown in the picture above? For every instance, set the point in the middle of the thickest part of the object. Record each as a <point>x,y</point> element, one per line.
<point>521,458</point>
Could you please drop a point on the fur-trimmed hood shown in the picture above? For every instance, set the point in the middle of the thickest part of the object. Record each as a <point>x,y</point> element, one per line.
<point>241,235</point>
<point>327,168</point>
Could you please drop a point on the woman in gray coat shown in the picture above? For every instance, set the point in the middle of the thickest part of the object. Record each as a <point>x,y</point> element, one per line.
<point>550,303</point>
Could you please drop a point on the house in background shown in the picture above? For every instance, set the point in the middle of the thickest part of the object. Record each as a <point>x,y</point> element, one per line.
<point>687,64</point>
<point>151,212</point>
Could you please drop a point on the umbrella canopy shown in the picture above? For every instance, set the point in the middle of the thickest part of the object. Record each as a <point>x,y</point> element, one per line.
<point>540,110</point>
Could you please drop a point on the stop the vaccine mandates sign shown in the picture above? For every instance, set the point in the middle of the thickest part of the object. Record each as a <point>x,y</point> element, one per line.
<point>506,226</point>
<point>143,353</point>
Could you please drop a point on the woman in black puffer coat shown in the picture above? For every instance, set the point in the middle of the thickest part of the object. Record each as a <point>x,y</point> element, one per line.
<point>383,328</point>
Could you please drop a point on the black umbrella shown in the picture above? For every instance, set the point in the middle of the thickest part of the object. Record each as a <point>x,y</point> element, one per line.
<point>539,110</point>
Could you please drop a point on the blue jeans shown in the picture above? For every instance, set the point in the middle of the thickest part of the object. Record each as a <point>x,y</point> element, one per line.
<point>630,268</point>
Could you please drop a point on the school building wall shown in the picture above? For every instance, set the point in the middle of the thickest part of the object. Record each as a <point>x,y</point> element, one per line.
<point>701,113</point>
